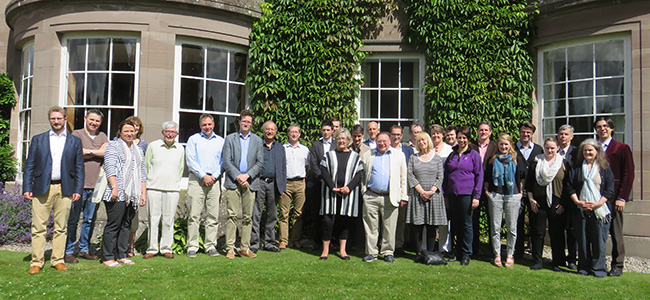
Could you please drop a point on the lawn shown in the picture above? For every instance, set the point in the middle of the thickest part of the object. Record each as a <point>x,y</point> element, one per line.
<point>295,274</point>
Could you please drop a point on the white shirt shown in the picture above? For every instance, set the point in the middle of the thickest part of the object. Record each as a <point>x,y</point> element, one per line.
<point>57,142</point>
<point>297,159</point>
<point>564,151</point>
<point>326,146</point>
<point>606,144</point>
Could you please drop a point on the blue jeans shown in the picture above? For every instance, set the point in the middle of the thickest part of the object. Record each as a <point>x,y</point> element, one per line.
<point>460,207</point>
<point>591,234</point>
<point>86,205</point>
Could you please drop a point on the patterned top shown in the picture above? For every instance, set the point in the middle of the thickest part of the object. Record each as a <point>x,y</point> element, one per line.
<point>114,160</point>
<point>350,202</point>
<point>427,174</point>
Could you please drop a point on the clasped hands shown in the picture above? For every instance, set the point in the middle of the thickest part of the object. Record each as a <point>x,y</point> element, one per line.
<point>342,190</point>
<point>242,179</point>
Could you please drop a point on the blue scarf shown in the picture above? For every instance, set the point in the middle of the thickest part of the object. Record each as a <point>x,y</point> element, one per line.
<point>503,172</point>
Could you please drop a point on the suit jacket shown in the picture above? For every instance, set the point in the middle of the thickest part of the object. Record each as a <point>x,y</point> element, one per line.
<point>621,161</point>
<point>571,155</point>
<point>363,148</point>
<point>537,149</point>
<point>367,143</point>
<point>280,158</point>
<point>316,154</point>
<point>491,151</point>
<point>232,155</point>
<point>38,168</point>
<point>397,188</point>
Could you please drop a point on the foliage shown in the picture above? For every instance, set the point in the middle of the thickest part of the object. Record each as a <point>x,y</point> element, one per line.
<point>15,216</point>
<point>305,58</point>
<point>180,237</point>
<point>7,102</point>
<point>478,66</point>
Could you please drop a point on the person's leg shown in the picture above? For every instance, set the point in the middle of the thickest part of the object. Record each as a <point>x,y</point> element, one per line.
<point>283,212</point>
<point>521,227</point>
<point>297,214</point>
<point>247,201</point>
<point>346,225</point>
<point>580,232</point>
<point>371,222</point>
<point>212,197</point>
<point>154,211</point>
<point>114,215</point>
<point>538,230</point>
<point>233,203</point>
<point>418,237</point>
<point>327,230</point>
<point>195,204</point>
<point>556,225</point>
<point>258,207</point>
<point>123,234</point>
<point>495,205</point>
<point>468,232</point>
<point>169,205</point>
<point>618,245</point>
<point>389,219</point>
<point>571,241</point>
<point>271,216</point>
<point>41,207</point>
<point>511,207</point>
<point>88,223</point>
<point>599,267</point>
<point>456,218</point>
<point>61,212</point>
<point>400,227</point>
<point>73,221</point>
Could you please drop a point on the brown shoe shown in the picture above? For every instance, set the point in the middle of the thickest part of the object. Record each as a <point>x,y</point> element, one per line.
<point>230,254</point>
<point>248,253</point>
<point>283,245</point>
<point>70,259</point>
<point>148,255</point>
<point>168,255</point>
<point>34,270</point>
<point>86,255</point>
<point>60,267</point>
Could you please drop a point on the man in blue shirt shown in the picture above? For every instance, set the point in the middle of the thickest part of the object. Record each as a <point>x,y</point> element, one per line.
<point>203,156</point>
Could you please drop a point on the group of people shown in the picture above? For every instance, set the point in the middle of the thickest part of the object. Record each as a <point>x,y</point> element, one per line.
<point>426,190</point>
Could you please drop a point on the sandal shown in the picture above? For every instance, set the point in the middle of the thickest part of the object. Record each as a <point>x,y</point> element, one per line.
<point>126,261</point>
<point>510,261</point>
<point>130,253</point>
<point>497,260</point>
<point>111,263</point>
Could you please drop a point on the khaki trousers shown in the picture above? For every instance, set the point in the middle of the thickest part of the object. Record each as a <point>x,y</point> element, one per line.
<point>198,198</point>
<point>374,208</point>
<point>42,205</point>
<point>295,194</point>
<point>239,199</point>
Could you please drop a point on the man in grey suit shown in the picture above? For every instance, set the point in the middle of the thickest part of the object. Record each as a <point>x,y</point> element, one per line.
<point>273,184</point>
<point>242,162</point>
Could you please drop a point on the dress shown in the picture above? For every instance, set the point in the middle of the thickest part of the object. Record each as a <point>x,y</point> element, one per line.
<point>427,174</point>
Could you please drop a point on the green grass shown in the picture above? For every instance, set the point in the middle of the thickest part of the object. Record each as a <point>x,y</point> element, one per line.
<point>295,274</point>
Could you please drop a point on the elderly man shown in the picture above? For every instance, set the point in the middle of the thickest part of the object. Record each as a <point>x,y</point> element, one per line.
<point>204,151</point>
<point>619,156</point>
<point>94,143</point>
<point>566,150</point>
<point>569,153</point>
<point>273,183</point>
<point>373,130</point>
<point>414,130</point>
<point>486,149</point>
<point>53,178</point>
<point>243,159</point>
<point>165,162</point>
<point>297,156</point>
<point>384,190</point>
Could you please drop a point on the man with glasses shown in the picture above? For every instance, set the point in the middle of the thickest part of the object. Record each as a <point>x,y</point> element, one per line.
<point>165,161</point>
<point>203,155</point>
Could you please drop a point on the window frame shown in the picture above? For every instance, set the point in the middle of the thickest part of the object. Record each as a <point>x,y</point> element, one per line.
<point>25,106</point>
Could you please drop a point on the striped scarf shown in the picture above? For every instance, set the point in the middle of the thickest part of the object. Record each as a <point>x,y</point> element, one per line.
<point>131,172</point>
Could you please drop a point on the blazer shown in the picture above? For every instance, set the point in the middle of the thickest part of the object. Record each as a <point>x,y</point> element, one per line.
<point>367,143</point>
<point>397,188</point>
<point>491,151</point>
<point>38,168</point>
<point>621,161</point>
<point>537,150</point>
<point>316,154</point>
<point>571,155</point>
<point>232,155</point>
<point>280,158</point>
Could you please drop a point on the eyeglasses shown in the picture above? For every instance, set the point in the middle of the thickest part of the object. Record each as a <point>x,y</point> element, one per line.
<point>170,132</point>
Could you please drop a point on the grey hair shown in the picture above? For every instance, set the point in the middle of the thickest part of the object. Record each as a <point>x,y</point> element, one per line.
<point>600,153</point>
<point>343,131</point>
<point>566,127</point>
<point>169,124</point>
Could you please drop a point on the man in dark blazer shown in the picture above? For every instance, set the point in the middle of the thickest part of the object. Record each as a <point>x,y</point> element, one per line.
<point>242,162</point>
<point>528,150</point>
<point>273,183</point>
<point>316,154</point>
<point>486,148</point>
<point>52,179</point>
<point>569,153</point>
<point>621,161</point>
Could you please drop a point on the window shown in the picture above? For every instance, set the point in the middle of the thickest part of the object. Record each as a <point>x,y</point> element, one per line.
<point>391,92</point>
<point>583,81</point>
<point>101,73</point>
<point>211,79</point>
<point>25,105</point>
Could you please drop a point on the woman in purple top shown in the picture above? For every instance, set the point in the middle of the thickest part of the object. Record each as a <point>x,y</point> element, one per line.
<point>462,186</point>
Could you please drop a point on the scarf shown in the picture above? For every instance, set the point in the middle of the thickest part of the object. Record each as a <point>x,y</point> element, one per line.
<point>545,173</point>
<point>503,172</point>
<point>590,192</point>
<point>131,173</point>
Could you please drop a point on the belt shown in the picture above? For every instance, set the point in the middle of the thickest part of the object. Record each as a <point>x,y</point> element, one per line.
<point>379,194</point>
<point>296,179</point>
<point>55,181</point>
<point>267,179</point>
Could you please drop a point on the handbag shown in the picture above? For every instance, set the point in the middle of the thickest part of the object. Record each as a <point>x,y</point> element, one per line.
<point>430,258</point>
<point>100,186</point>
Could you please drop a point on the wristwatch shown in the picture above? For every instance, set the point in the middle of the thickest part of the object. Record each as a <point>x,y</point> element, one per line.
<point>91,152</point>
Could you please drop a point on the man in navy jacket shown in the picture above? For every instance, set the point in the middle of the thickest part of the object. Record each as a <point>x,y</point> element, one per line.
<point>53,178</point>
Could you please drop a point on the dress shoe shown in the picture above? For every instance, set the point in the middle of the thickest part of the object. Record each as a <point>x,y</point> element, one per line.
<point>191,254</point>
<point>283,245</point>
<point>272,249</point>
<point>369,258</point>
<point>34,270</point>
<point>70,259</point>
<point>148,255</point>
<point>346,258</point>
<point>389,259</point>
<point>248,253</point>
<point>323,258</point>
<point>537,266</point>
<point>168,255</point>
<point>615,273</point>
<point>60,267</point>
<point>86,255</point>
<point>556,269</point>
<point>583,272</point>
<point>572,266</point>
<point>213,252</point>
<point>464,261</point>
<point>230,254</point>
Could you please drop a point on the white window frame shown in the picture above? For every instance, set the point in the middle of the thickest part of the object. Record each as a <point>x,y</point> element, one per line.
<point>420,94</point>
<point>627,79</point>
<point>178,57</point>
<point>65,71</point>
<point>25,106</point>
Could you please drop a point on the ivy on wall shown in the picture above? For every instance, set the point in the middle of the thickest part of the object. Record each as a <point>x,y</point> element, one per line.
<point>7,102</point>
<point>304,61</point>
<point>477,64</point>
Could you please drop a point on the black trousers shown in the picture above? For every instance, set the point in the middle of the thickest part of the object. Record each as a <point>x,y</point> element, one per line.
<point>419,237</point>
<point>115,240</point>
<point>336,225</point>
<point>556,225</point>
